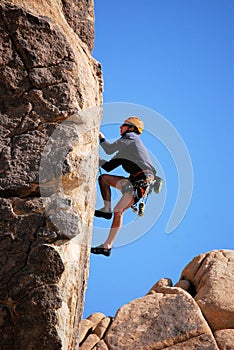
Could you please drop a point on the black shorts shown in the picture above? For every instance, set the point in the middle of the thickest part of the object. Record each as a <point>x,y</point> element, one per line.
<point>138,185</point>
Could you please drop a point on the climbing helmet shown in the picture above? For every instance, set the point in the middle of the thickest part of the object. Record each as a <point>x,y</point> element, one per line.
<point>137,122</point>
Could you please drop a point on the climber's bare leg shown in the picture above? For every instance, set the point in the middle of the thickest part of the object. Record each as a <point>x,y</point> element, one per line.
<point>105,182</point>
<point>125,202</point>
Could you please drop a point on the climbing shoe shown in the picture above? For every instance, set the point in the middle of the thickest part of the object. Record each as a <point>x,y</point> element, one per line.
<point>103,214</point>
<point>101,250</point>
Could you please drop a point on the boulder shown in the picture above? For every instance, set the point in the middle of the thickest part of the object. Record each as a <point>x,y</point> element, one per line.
<point>85,327</point>
<point>101,327</point>
<point>184,284</point>
<point>170,317</point>
<point>157,321</point>
<point>158,286</point>
<point>225,339</point>
<point>212,278</point>
<point>90,342</point>
<point>96,318</point>
<point>204,342</point>
<point>89,324</point>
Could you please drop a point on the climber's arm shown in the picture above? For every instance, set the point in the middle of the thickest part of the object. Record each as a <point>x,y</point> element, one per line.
<point>111,164</point>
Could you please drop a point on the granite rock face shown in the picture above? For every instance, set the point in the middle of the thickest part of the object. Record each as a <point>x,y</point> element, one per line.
<point>212,276</point>
<point>225,338</point>
<point>80,16</point>
<point>50,93</point>
<point>156,322</point>
<point>173,317</point>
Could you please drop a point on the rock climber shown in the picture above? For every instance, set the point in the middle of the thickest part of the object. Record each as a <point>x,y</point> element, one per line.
<point>135,160</point>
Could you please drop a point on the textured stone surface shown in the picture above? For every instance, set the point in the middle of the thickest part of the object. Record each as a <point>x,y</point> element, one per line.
<point>90,342</point>
<point>80,16</point>
<point>90,324</point>
<point>212,276</point>
<point>43,79</point>
<point>202,342</point>
<point>102,326</point>
<point>96,318</point>
<point>49,84</point>
<point>169,317</point>
<point>85,327</point>
<point>101,346</point>
<point>155,322</point>
<point>225,339</point>
<point>184,284</point>
<point>161,284</point>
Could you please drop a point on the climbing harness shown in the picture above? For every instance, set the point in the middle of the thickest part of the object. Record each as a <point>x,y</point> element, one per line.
<point>155,185</point>
<point>145,186</point>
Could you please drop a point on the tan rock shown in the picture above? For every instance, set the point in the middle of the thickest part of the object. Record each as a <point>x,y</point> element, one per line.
<point>225,339</point>
<point>48,83</point>
<point>184,284</point>
<point>90,342</point>
<point>91,323</point>
<point>86,326</point>
<point>80,16</point>
<point>95,318</point>
<point>102,327</point>
<point>101,346</point>
<point>156,321</point>
<point>212,276</point>
<point>203,342</point>
<point>162,283</point>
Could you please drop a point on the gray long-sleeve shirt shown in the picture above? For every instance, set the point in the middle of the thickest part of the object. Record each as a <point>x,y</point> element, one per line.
<point>131,154</point>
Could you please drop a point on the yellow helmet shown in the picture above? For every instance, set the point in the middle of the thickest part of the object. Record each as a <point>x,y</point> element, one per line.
<point>137,122</point>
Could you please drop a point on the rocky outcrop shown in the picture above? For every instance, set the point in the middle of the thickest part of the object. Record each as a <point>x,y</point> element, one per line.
<point>212,277</point>
<point>49,86</point>
<point>80,16</point>
<point>225,338</point>
<point>176,317</point>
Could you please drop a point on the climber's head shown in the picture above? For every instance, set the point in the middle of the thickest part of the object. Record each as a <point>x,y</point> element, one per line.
<point>134,124</point>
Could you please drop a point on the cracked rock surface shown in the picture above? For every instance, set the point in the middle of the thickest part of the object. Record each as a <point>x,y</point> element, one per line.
<point>49,83</point>
<point>196,313</point>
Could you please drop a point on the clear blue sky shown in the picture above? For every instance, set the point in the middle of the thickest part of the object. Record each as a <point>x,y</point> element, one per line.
<point>174,57</point>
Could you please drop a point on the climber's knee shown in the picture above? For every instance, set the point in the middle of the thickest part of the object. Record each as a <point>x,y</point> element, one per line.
<point>102,178</point>
<point>118,212</point>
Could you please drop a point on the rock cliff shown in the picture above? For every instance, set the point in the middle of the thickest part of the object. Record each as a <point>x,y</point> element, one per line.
<point>50,87</point>
<point>49,82</point>
<point>197,313</point>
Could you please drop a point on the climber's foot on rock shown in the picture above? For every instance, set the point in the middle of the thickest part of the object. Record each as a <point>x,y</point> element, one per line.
<point>102,213</point>
<point>101,250</point>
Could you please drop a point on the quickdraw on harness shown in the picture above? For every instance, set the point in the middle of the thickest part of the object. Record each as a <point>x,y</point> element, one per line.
<point>147,185</point>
